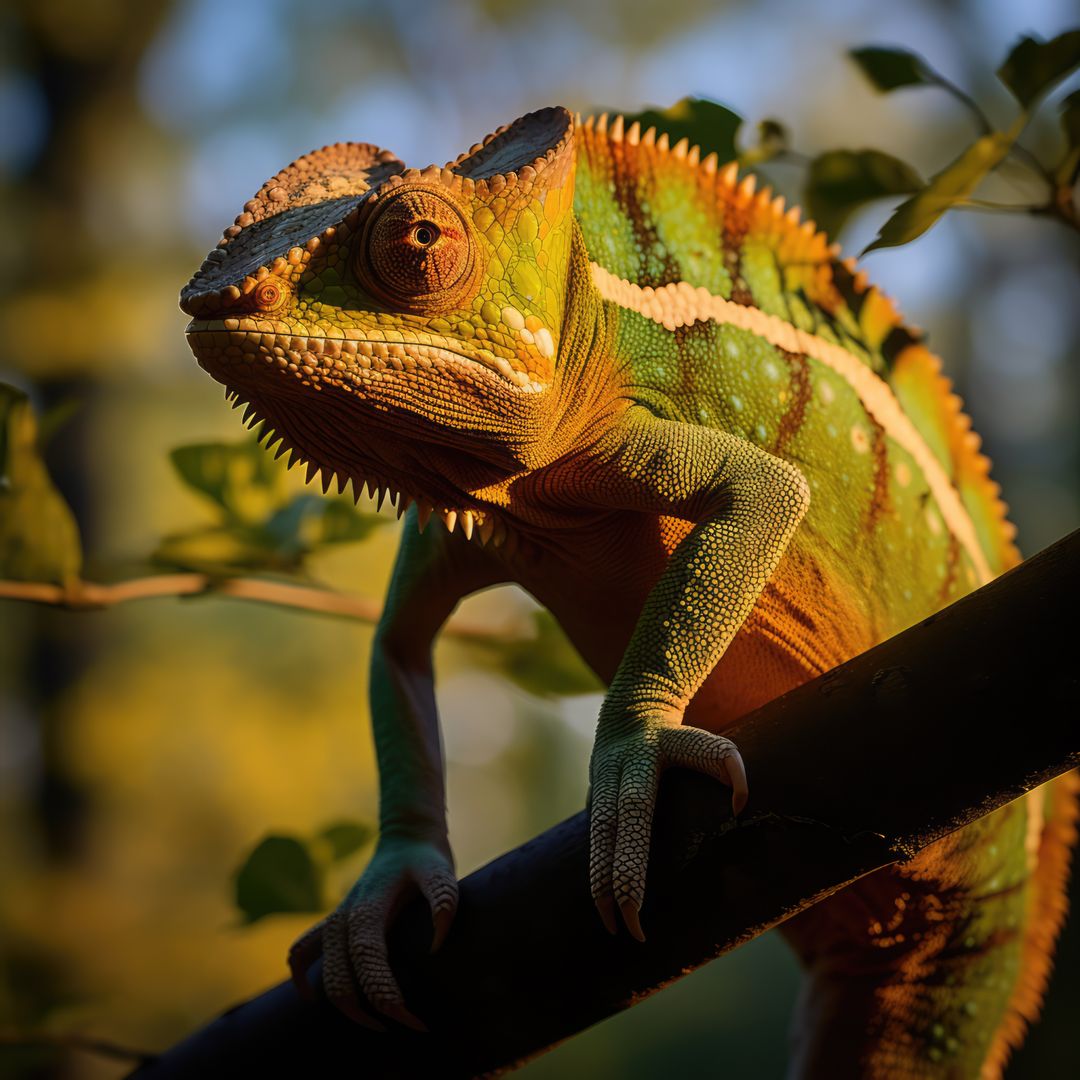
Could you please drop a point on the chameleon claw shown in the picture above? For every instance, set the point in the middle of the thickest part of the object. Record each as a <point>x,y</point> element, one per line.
<point>442,921</point>
<point>631,918</point>
<point>303,953</point>
<point>358,1015</point>
<point>397,1011</point>
<point>605,906</point>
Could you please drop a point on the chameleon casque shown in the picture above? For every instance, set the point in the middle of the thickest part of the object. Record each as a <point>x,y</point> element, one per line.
<point>621,378</point>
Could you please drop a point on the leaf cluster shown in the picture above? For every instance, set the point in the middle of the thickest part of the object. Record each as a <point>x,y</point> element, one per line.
<point>39,537</point>
<point>840,181</point>
<point>287,874</point>
<point>261,524</point>
<point>543,663</point>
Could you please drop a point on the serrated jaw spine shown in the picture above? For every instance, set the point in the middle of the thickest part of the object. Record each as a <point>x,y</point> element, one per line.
<point>474,523</point>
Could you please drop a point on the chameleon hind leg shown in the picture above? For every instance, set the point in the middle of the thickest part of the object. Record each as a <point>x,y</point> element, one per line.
<point>932,970</point>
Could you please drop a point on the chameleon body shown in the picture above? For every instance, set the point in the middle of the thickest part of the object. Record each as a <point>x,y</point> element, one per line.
<point>622,378</point>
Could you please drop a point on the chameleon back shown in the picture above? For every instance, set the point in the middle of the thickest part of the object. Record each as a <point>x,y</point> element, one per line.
<point>733,314</point>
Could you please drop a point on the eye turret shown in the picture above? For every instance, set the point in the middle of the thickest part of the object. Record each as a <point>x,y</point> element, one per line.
<point>418,252</point>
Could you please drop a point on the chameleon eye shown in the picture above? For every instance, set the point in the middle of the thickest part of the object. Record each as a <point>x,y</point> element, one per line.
<point>269,294</point>
<point>425,234</point>
<point>417,252</point>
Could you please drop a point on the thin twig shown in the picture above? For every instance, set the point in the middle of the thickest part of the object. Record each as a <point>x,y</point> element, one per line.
<point>92,596</point>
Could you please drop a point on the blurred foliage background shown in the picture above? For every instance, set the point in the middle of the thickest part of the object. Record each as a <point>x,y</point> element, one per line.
<point>146,749</point>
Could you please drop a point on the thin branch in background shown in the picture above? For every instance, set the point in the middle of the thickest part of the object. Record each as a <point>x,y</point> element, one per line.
<point>91,596</point>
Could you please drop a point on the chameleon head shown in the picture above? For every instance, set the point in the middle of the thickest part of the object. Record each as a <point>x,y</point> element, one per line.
<point>394,325</point>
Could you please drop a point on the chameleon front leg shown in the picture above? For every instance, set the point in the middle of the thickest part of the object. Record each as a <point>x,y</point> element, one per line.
<point>432,573</point>
<point>746,504</point>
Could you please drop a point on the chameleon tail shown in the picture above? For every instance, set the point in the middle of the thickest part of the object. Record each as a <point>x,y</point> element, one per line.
<point>1049,905</point>
<point>933,970</point>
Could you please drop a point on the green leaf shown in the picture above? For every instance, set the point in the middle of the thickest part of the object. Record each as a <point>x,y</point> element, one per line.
<point>310,521</point>
<point>545,664</point>
<point>39,538</point>
<point>15,419</point>
<point>281,544</point>
<point>705,123</point>
<point>262,526</point>
<point>838,182</point>
<point>1034,66</point>
<point>241,477</point>
<point>222,550</point>
<point>889,69</point>
<point>1070,118</point>
<point>345,837</point>
<point>11,401</point>
<point>53,419</point>
<point>771,132</point>
<point>1069,166</point>
<point>947,188</point>
<point>772,140</point>
<point>280,875</point>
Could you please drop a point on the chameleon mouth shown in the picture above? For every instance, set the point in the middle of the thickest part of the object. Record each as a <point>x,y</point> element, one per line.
<point>342,359</point>
<point>235,358</point>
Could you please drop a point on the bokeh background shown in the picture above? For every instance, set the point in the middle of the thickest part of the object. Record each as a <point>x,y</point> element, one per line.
<point>145,749</point>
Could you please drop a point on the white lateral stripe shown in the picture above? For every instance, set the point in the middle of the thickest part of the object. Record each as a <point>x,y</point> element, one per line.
<point>680,304</point>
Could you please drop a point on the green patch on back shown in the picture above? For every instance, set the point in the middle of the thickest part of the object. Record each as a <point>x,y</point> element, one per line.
<point>608,232</point>
<point>692,231</point>
<point>824,445</point>
<point>762,276</point>
<point>657,378</point>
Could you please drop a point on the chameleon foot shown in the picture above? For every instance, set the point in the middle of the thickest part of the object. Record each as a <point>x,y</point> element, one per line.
<point>624,782</point>
<point>352,939</point>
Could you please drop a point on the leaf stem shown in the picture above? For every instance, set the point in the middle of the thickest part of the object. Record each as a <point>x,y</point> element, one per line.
<point>982,121</point>
<point>989,205</point>
<point>1025,155</point>
<point>1059,207</point>
<point>788,156</point>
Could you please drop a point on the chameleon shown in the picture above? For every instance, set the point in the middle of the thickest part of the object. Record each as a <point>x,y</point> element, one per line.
<point>601,365</point>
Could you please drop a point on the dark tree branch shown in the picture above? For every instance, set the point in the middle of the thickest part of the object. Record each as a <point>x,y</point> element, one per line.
<point>858,769</point>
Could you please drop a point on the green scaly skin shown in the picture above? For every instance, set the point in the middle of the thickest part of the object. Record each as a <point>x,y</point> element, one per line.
<point>628,383</point>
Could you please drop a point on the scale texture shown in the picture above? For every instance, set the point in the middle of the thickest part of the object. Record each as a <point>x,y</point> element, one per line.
<point>605,368</point>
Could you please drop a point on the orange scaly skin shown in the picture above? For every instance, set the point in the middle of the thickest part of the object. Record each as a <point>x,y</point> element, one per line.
<point>645,393</point>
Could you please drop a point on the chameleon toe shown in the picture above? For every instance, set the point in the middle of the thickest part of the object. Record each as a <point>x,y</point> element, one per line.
<point>632,919</point>
<point>302,954</point>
